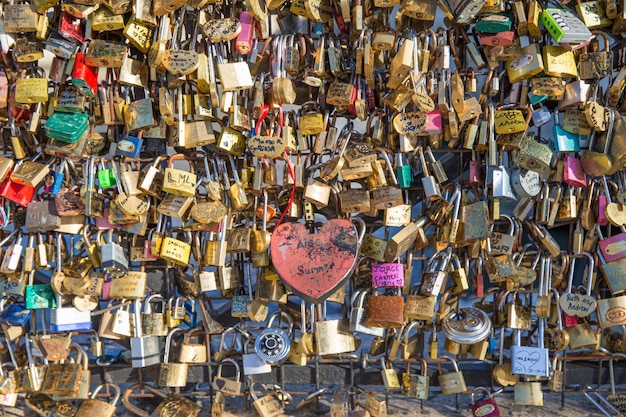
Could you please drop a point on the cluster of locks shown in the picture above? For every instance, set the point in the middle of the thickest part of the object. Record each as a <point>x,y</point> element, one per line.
<point>338,113</point>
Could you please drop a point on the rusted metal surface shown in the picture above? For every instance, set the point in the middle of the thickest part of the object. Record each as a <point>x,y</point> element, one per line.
<point>314,265</point>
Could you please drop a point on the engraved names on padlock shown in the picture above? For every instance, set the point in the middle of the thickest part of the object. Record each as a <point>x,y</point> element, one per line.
<point>413,123</point>
<point>218,30</point>
<point>180,62</point>
<point>266,146</point>
<point>580,305</point>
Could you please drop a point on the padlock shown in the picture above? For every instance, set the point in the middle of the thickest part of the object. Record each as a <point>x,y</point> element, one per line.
<point>227,386</point>
<point>357,315</point>
<point>172,374</point>
<point>486,406</point>
<point>272,345</point>
<point>94,406</point>
<point>267,406</point>
<point>385,311</point>
<point>145,350</point>
<point>113,258</point>
<point>172,403</point>
<point>451,382</point>
<point>416,385</point>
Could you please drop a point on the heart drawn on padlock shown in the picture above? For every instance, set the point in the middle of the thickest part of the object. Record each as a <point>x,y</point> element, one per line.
<point>314,266</point>
<point>219,383</point>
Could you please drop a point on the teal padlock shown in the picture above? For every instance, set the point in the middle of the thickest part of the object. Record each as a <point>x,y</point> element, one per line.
<point>39,296</point>
<point>106,176</point>
<point>67,127</point>
<point>404,173</point>
<point>564,141</point>
<point>493,23</point>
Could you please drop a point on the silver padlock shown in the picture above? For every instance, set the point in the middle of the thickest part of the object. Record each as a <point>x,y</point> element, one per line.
<point>357,315</point>
<point>114,260</point>
<point>429,183</point>
<point>144,350</point>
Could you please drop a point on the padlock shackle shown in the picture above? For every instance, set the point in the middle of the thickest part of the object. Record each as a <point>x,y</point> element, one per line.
<point>133,408</point>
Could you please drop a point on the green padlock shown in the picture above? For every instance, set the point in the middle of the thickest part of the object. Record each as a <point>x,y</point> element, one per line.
<point>106,176</point>
<point>493,23</point>
<point>404,172</point>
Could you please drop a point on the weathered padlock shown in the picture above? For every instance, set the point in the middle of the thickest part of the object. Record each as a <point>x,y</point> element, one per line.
<point>416,385</point>
<point>94,406</point>
<point>451,382</point>
<point>172,374</point>
<point>385,311</point>
<point>172,404</point>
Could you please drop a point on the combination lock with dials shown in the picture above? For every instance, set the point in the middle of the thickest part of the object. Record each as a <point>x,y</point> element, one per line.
<point>274,343</point>
<point>565,26</point>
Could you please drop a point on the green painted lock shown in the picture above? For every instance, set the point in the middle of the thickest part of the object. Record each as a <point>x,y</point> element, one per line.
<point>67,127</point>
<point>106,176</point>
<point>494,23</point>
<point>404,172</point>
<point>39,296</point>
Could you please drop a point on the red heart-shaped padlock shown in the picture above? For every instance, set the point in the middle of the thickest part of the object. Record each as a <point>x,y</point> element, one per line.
<point>314,266</point>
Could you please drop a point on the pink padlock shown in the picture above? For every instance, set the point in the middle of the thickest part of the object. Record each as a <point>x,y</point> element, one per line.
<point>569,321</point>
<point>573,173</point>
<point>475,171</point>
<point>601,219</point>
<point>434,124</point>
<point>102,223</point>
<point>244,39</point>
<point>612,248</point>
<point>106,289</point>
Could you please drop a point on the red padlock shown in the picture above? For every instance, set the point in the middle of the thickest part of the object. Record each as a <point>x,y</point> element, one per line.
<point>486,407</point>
<point>71,28</point>
<point>84,77</point>
<point>18,193</point>
<point>498,39</point>
<point>569,321</point>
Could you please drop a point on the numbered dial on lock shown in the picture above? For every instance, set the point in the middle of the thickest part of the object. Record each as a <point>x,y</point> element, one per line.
<point>272,345</point>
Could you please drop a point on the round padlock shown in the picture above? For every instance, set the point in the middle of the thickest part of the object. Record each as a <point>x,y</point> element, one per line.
<point>273,344</point>
<point>467,326</point>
